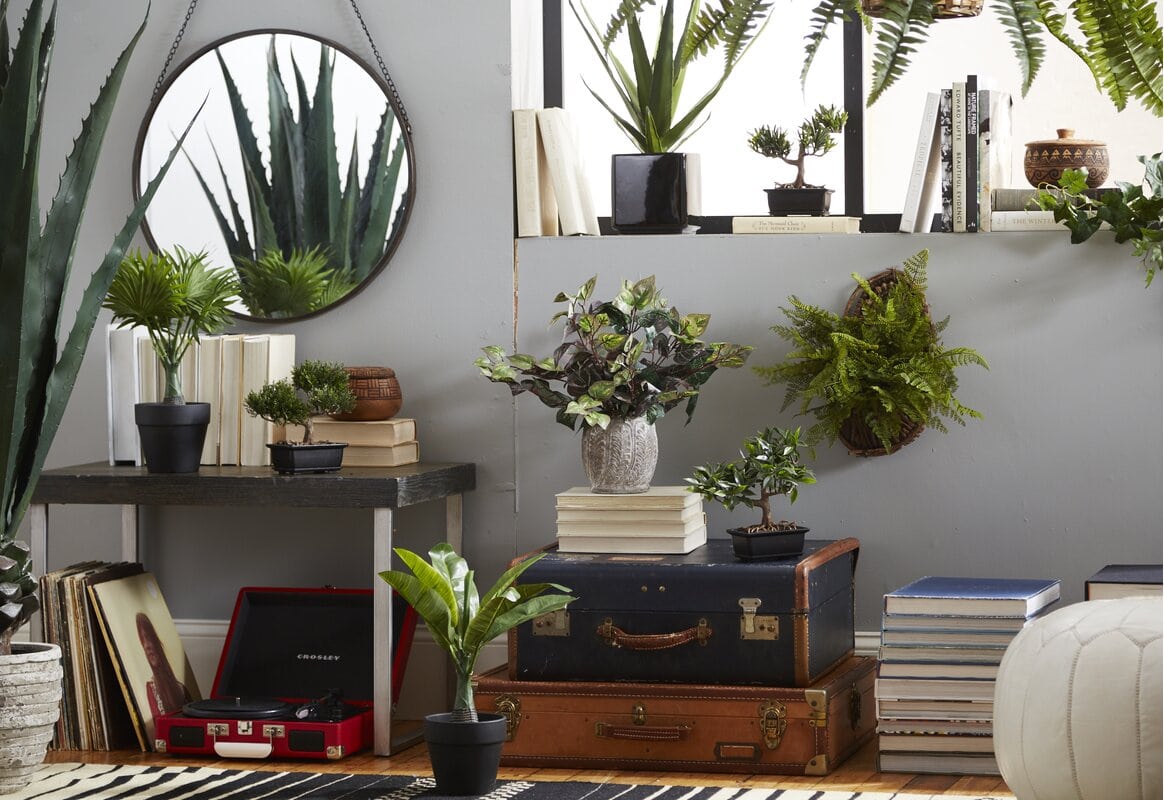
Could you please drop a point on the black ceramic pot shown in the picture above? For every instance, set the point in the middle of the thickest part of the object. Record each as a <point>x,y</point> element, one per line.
<point>464,755</point>
<point>172,435</point>
<point>813,201</point>
<point>654,192</point>
<point>289,459</point>
<point>757,545</point>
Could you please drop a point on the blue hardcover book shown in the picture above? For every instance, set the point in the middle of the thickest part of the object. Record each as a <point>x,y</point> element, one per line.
<point>1123,580</point>
<point>979,597</point>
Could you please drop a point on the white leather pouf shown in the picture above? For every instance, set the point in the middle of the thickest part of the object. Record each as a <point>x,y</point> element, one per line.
<point>1077,704</point>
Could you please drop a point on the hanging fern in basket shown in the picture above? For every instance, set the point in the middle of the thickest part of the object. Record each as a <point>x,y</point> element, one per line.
<point>883,365</point>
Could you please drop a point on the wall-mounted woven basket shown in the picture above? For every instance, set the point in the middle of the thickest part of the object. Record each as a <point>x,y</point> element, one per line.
<point>943,9</point>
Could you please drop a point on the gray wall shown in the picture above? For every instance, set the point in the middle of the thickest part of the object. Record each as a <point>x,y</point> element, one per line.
<point>1062,476</point>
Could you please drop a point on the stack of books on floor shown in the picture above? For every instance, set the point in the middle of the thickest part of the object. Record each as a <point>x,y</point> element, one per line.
<point>371,443</point>
<point>942,640</point>
<point>663,519</point>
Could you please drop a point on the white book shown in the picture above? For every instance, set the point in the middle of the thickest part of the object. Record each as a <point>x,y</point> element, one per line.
<point>537,208</point>
<point>575,206</point>
<point>121,385</point>
<point>368,433</point>
<point>266,358</point>
<point>743,225</point>
<point>149,372</point>
<point>994,149</point>
<point>208,389</point>
<point>917,214</point>
<point>624,516</point>
<point>648,545</point>
<point>654,497</point>
<point>958,99</point>
<point>188,371</point>
<point>394,455</point>
<point>231,415</point>
<point>1001,221</point>
<point>649,528</point>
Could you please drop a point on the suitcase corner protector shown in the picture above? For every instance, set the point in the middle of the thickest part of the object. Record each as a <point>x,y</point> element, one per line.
<point>817,765</point>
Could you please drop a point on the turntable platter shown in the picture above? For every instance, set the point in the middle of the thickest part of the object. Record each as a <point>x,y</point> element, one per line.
<point>238,708</point>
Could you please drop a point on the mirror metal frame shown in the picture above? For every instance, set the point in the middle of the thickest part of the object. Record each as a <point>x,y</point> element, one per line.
<point>393,102</point>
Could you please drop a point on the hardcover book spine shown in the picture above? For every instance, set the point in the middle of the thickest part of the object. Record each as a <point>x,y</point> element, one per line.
<point>913,214</point>
<point>743,225</point>
<point>537,209</point>
<point>972,154</point>
<point>946,144</point>
<point>958,163</point>
<point>1001,221</point>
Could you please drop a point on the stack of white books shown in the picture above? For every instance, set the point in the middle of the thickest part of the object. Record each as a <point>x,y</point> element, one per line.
<point>663,519</point>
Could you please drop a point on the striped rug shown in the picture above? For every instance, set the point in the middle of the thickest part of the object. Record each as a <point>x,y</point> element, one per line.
<point>104,782</point>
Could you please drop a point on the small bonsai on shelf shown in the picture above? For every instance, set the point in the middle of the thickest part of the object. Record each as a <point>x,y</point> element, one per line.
<point>814,138</point>
<point>769,466</point>
<point>315,388</point>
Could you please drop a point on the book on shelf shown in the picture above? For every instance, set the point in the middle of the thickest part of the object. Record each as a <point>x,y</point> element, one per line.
<point>56,623</point>
<point>935,711</point>
<point>1003,221</point>
<point>942,670</point>
<point>624,516</point>
<point>975,727</point>
<point>372,433</point>
<point>682,543</point>
<point>796,224</point>
<point>149,378</point>
<point>1123,580</point>
<point>265,358</point>
<point>1002,597</point>
<point>1023,199</point>
<point>209,390</point>
<point>571,190</point>
<point>640,528</point>
<point>955,625</point>
<point>933,689</point>
<point>537,208</point>
<point>918,211</point>
<point>938,763</point>
<point>656,497</point>
<point>958,156</point>
<point>949,654</point>
<point>395,455</point>
<point>946,152</point>
<point>994,149</point>
<point>230,415</point>
<point>971,189</point>
<point>121,393</point>
<point>956,638</point>
<point>936,742</point>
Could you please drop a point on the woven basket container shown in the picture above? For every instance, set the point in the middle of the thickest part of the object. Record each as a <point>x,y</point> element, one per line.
<point>377,393</point>
<point>943,9</point>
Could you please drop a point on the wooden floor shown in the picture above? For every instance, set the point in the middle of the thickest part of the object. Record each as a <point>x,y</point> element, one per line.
<point>856,774</point>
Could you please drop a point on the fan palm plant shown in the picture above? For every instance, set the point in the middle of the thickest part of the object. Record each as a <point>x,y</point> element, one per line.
<point>277,286</point>
<point>36,258</point>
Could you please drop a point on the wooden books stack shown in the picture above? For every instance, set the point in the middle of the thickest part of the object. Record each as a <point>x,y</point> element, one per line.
<point>373,443</point>
<point>663,519</point>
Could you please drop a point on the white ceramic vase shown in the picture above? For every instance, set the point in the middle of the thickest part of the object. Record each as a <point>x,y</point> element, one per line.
<point>621,458</point>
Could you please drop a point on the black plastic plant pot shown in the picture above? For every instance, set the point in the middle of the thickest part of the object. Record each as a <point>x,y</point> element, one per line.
<point>759,545</point>
<point>813,201</point>
<point>654,192</point>
<point>290,459</point>
<point>464,755</point>
<point>172,435</point>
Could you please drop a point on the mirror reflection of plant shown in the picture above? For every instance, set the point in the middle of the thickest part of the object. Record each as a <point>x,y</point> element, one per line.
<point>315,388</point>
<point>276,286</point>
<point>814,138</point>
<point>1134,214</point>
<point>299,204</point>
<point>176,296</point>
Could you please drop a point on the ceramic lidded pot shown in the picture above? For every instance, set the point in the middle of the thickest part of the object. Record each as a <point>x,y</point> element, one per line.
<point>377,393</point>
<point>1045,160</point>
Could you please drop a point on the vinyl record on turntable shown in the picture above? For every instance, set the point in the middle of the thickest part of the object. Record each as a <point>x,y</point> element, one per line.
<point>238,708</point>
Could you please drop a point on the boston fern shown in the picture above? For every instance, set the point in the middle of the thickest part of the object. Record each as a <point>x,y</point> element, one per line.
<point>879,366</point>
<point>650,90</point>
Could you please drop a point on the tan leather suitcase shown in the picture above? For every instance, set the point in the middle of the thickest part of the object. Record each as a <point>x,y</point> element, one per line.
<point>696,728</point>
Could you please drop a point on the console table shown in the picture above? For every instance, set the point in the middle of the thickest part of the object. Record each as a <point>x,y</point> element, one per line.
<point>382,489</point>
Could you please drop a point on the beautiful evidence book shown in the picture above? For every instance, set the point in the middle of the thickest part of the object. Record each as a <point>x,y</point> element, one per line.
<point>999,597</point>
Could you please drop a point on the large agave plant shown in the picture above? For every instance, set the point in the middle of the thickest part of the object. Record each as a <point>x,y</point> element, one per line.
<point>36,256</point>
<point>444,594</point>
<point>1121,42</point>
<point>297,204</point>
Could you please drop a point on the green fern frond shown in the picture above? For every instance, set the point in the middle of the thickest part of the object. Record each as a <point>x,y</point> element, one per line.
<point>745,19</point>
<point>904,25</point>
<point>706,32</point>
<point>1056,24</point>
<point>1020,19</point>
<point>825,14</point>
<point>1123,40</point>
<point>627,10</point>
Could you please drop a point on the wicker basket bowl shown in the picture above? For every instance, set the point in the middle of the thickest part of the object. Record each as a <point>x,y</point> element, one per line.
<point>943,9</point>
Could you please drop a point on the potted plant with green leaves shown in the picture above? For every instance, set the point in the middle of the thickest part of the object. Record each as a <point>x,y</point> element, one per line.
<point>315,388</point>
<point>769,466</point>
<point>652,191</point>
<point>176,296</point>
<point>464,745</point>
<point>41,347</point>
<point>622,364</point>
<point>815,138</point>
<point>274,286</point>
<point>876,375</point>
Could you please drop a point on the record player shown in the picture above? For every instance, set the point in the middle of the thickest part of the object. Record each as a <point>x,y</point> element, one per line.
<point>294,679</point>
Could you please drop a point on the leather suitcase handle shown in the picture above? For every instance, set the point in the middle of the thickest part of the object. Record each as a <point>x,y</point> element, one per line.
<point>652,733</point>
<point>617,637</point>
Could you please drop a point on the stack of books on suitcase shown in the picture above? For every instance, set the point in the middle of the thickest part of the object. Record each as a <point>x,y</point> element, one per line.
<point>942,640</point>
<point>663,519</point>
<point>371,443</point>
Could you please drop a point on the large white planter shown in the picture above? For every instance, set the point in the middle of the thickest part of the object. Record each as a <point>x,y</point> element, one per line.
<point>30,703</point>
<point>621,458</point>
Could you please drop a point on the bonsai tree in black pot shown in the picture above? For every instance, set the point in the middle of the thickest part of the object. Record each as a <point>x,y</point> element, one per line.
<point>464,746</point>
<point>176,296</point>
<point>315,388</point>
<point>814,138</point>
<point>769,466</point>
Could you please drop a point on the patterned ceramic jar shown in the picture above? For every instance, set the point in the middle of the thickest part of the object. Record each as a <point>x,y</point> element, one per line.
<point>1045,161</point>
<point>377,391</point>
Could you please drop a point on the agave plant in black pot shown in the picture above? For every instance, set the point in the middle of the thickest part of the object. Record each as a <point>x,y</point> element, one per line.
<point>315,388</point>
<point>176,296</point>
<point>465,746</point>
<point>769,466</point>
<point>622,364</point>
<point>814,138</point>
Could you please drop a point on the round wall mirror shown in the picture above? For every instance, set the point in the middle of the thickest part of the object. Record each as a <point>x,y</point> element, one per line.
<point>298,170</point>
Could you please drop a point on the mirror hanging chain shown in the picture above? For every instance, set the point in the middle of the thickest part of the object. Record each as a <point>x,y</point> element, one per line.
<point>363,25</point>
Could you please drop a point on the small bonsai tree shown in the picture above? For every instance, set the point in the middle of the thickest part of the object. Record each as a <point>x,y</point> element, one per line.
<point>769,466</point>
<point>445,596</point>
<point>815,138</point>
<point>627,357</point>
<point>176,296</point>
<point>315,387</point>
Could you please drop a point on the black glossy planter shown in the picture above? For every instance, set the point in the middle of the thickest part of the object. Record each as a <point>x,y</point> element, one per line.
<point>654,192</point>
<point>759,545</point>
<point>289,459</point>
<point>813,201</point>
<point>464,755</point>
<point>172,435</point>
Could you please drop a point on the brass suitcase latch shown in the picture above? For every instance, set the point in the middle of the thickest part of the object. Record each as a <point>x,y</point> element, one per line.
<point>761,627</point>
<point>509,707</point>
<point>773,722</point>
<point>556,623</point>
